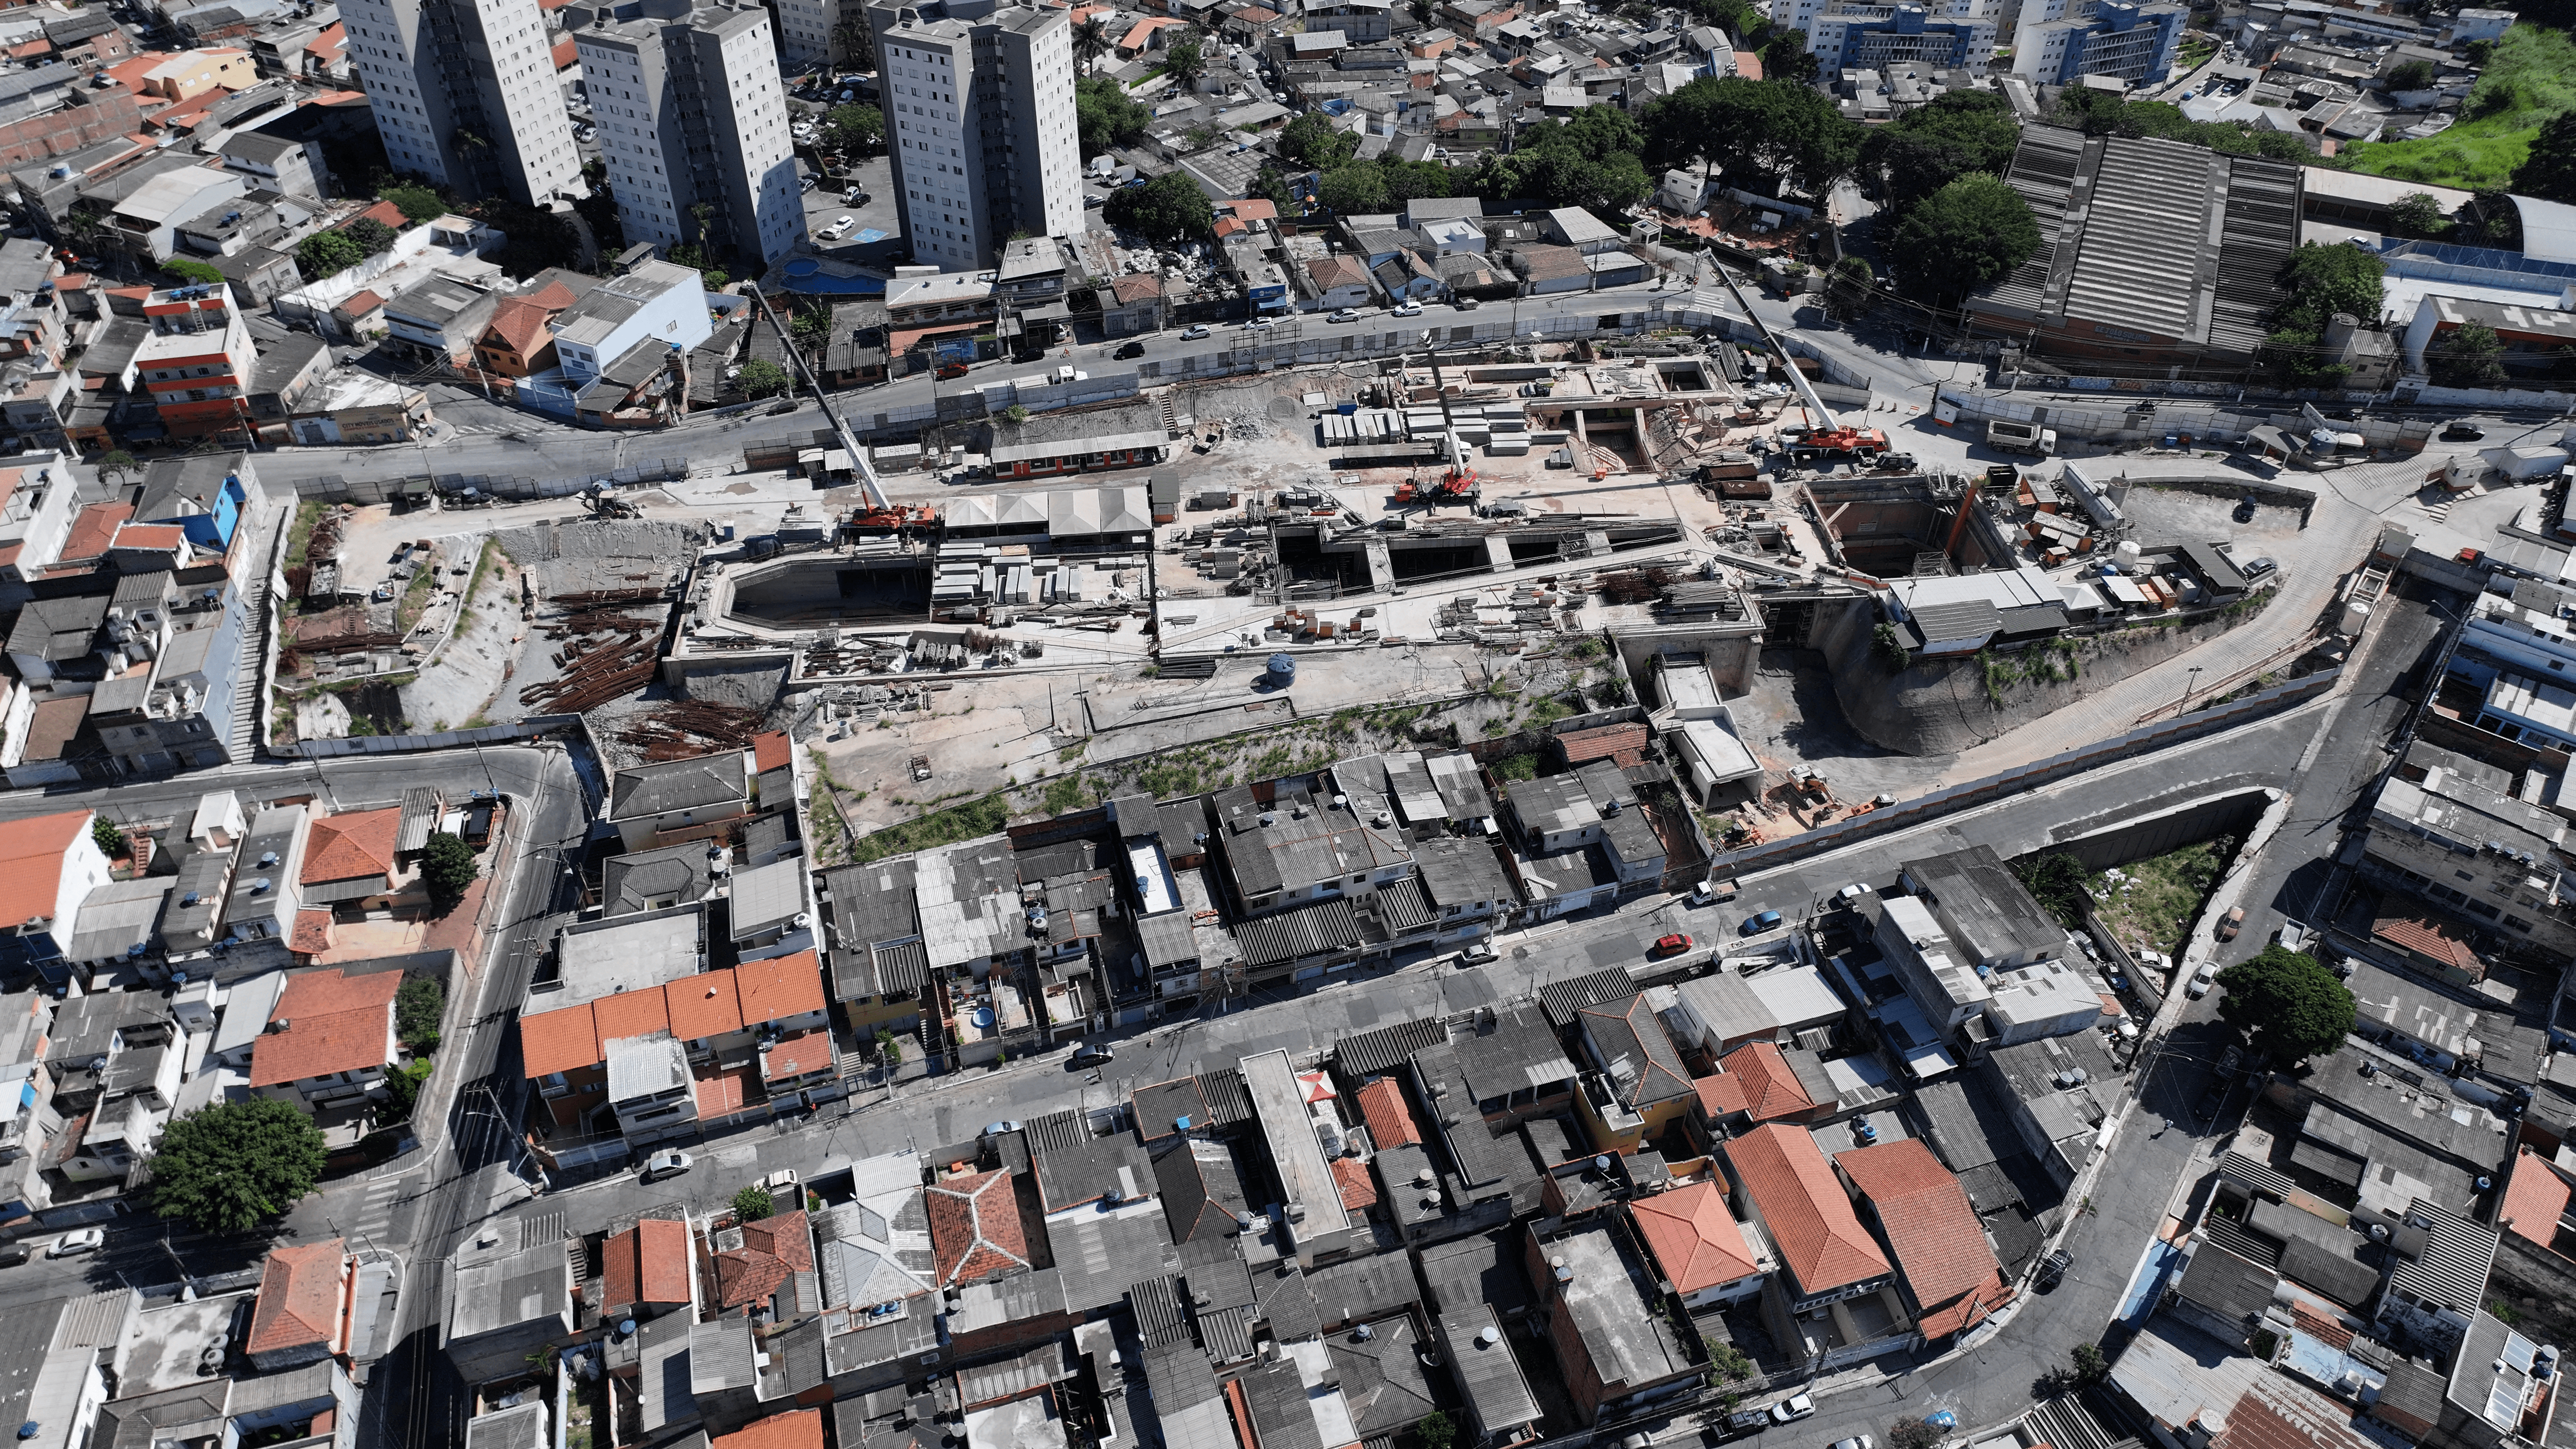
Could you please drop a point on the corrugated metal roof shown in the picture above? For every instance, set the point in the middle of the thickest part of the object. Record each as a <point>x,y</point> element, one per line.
<point>1320,929</point>
<point>1563,999</point>
<point>1229,1101</point>
<point>1156,1304</point>
<point>1057,1132</point>
<point>1388,1047</point>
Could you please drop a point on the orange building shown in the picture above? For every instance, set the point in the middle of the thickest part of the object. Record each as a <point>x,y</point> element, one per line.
<point>197,363</point>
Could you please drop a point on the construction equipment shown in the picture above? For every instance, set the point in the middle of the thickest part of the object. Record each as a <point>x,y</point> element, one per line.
<point>860,463</point>
<point>1829,441</point>
<point>1812,787</point>
<point>1457,485</point>
<point>605,504</point>
<point>893,519</point>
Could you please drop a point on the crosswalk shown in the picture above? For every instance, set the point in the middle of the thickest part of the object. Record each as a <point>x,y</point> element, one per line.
<point>372,1224</point>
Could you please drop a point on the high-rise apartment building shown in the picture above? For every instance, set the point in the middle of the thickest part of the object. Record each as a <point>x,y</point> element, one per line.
<point>2057,42</point>
<point>465,93</point>
<point>817,32</point>
<point>693,126</point>
<point>978,100</point>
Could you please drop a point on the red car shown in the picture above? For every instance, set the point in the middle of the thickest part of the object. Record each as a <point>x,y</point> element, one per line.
<point>1672,945</point>
<point>953,369</point>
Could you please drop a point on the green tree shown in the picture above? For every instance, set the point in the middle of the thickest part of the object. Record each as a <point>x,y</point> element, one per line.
<point>1972,231</point>
<point>1409,180</point>
<point>1354,190</point>
<point>753,1204</point>
<point>1726,1363</point>
<point>1092,40</point>
<point>1169,208</point>
<point>416,202</point>
<point>103,831</point>
<point>761,377</point>
<point>1888,648</point>
<point>889,1046</point>
<point>1106,115</point>
<point>1792,136</point>
<point>2469,355</point>
<point>1314,142</point>
<point>2319,282</point>
<point>1851,289</point>
<point>447,866</point>
<point>1272,187</point>
<point>2410,75</point>
<point>1591,161</point>
<point>116,461</point>
<point>371,235</point>
<point>2417,214</point>
<point>2087,1366</point>
<point>1434,1431</point>
<point>2549,172</point>
<point>2288,1005</point>
<point>189,269</point>
<point>402,1094</point>
<point>858,130</point>
<point>2060,883</point>
<point>857,41</point>
<point>325,253</point>
<point>229,1167</point>
<point>537,238</point>
<point>419,1007</point>
<point>1787,60</point>
<point>1912,1432</point>
<point>1185,60</point>
<point>1933,145</point>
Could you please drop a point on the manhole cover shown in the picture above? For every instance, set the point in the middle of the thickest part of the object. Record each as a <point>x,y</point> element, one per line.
<point>1284,409</point>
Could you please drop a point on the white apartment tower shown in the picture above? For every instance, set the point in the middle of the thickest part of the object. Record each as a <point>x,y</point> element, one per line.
<point>465,94</point>
<point>693,126</point>
<point>978,100</point>
<point>810,31</point>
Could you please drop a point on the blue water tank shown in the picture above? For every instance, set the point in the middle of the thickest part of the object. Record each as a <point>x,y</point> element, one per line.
<point>1285,666</point>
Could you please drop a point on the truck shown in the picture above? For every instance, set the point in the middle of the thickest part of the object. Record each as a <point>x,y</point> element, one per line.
<point>2011,437</point>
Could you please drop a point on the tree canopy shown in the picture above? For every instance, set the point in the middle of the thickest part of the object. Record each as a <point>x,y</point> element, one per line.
<point>2319,282</point>
<point>1169,208</point>
<point>761,377</point>
<point>2469,355</point>
<point>2060,883</point>
<point>2549,172</point>
<point>447,864</point>
<point>1972,231</point>
<point>370,234</point>
<point>189,269</point>
<point>1933,145</point>
<point>857,129</point>
<point>1591,161</point>
<point>417,203</point>
<point>1314,142</point>
<point>325,253</point>
<point>1788,133</point>
<point>1106,115</point>
<point>229,1167</point>
<point>2418,214</point>
<point>2289,1006</point>
<point>1185,60</point>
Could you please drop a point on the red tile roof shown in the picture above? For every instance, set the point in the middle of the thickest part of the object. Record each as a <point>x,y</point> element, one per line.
<point>360,303</point>
<point>559,1041</point>
<point>2438,940</point>
<point>1254,208</point>
<point>1694,1237</point>
<point>1929,1222</point>
<point>349,846</point>
<point>770,750</point>
<point>1771,1089</point>
<point>800,1429</point>
<point>520,324</point>
<point>629,1014</point>
<point>312,934</point>
<point>2535,1198</point>
<point>780,987</point>
<point>1390,1120</point>
<point>799,1055</point>
<point>722,1093</point>
<point>975,1230</point>
<point>1358,1191</point>
<point>702,1006</point>
<point>1803,1207</point>
<point>383,211</point>
<point>647,1264</point>
<point>1721,1095</point>
<point>553,296</point>
<point>335,1022</point>
<point>1625,744</point>
<point>153,537</point>
<point>299,1298</point>
<point>773,1250</point>
<point>31,861</point>
<point>93,528</point>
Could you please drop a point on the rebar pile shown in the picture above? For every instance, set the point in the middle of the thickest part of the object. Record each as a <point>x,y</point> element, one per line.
<point>686,728</point>
<point>605,598</point>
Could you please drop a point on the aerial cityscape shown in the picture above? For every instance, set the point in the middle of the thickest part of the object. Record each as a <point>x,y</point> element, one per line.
<point>1355,724</point>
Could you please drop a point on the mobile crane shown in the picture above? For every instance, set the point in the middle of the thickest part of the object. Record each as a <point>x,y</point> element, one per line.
<point>875,514</point>
<point>1831,441</point>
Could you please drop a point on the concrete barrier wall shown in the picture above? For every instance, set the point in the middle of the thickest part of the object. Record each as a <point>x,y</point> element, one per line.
<point>2104,422</point>
<point>500,734</point>
<point>1853,830</point>
<point>333,488</point>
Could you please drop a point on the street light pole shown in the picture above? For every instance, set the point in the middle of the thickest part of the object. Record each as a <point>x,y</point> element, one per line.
<point>2188,685</point>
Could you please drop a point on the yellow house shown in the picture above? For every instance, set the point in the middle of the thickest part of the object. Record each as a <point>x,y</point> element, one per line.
<point>195,72</point>
<point>1638,1086</point>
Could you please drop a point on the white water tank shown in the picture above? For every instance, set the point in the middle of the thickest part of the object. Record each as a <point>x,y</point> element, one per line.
<point>2355,617</point>
<point>2125,556</point>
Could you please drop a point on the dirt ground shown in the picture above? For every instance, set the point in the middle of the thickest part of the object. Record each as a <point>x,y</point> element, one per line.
<point>1792,719</point>
<point>2164,516</point>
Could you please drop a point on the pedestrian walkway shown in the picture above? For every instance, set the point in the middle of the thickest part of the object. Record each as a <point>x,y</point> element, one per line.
<point>2342,527</point>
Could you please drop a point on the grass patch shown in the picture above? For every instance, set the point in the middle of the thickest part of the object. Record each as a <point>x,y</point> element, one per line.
<point>2530,77</point>
<point>415,598</point>
<point>2151,905</point>
<point>299,534</point>
<point>940,827</point>
<point>1064,795</point>
<point>465,609</point>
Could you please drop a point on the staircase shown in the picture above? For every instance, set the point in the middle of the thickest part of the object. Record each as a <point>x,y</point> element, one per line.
<point>1171,419</point>
<point>241,741</point>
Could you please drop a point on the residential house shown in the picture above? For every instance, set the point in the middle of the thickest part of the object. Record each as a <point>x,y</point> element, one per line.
<point>1131,305</point>
<point>676,800</point>
<point>350,863</point>
<point>510,1297</point>
<point>1783,1185</point>
<point>305,1303</point>
<point>1639,1087</point>
<point>438,318</point>
<point>975,1228</point>
<point>1597,1305</point>
<point>1951,1276</point>
<point>655,306</point>
<point>330,1039</point>
<point>647,1271</point>
<point>49,865</point>
<point>1697,1245</point>
<point>276,163</point>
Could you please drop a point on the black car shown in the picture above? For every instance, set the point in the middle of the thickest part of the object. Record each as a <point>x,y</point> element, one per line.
<point>2245,507</point>
<point>2053,1271</point>
<point>2463,433</point>
<point>1029,354</point>
<point>1090,1055</point>
<point>1129,349</point>
<point>1739,1424</point>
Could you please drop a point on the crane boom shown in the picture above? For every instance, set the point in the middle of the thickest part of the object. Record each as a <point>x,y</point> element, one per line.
<point>859,461</point>
<point>1824,415</point>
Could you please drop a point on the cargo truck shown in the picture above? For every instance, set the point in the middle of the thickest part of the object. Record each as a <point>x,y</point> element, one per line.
<point>2029,438</point>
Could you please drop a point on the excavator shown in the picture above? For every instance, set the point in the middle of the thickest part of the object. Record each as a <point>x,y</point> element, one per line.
<point>1829,441</point>
<point>1457,485</point>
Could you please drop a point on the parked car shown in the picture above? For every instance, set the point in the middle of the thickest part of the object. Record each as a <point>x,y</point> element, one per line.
<point>1478,954</point>
<point>1091,1055</point>
<point>1465,304</point>
<point>1129,349</point>
<point>1792,1409</point>
<point>1857,1441</point>
<point>2255,568</point>
<point>1759,922</point>
<point>2231,923</point>
<point>12,1254</point>
<point>2245,507</point>
<point>951,370</point>
<point>1708,892</point>
<point>2053,1271</point>
<point>1000,1129</point>
<point>2463,432</point>
<point>1406,309</point>
<point>2202,980</point>
<point>665,1164</point>
<point>1672,945</point>
<point>77,1242</point>
<point>1193,334</point>
<point>1344,315</point>
<point>840,227</point>
<point>1746,1421</point>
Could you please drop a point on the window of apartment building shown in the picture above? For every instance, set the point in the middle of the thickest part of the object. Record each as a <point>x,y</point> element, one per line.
<point>2517,923</point>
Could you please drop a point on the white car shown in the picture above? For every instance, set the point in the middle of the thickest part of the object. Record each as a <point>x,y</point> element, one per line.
<point>77,1242</point>
<point>839,228</point>
<point>1479,953</point>
<point>1796,1406</point>
<point>2201,979</point>
<point>665,1164</point>
<point>1194,334</point>
<point>1344,315</point>
<point>1406,309</point>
